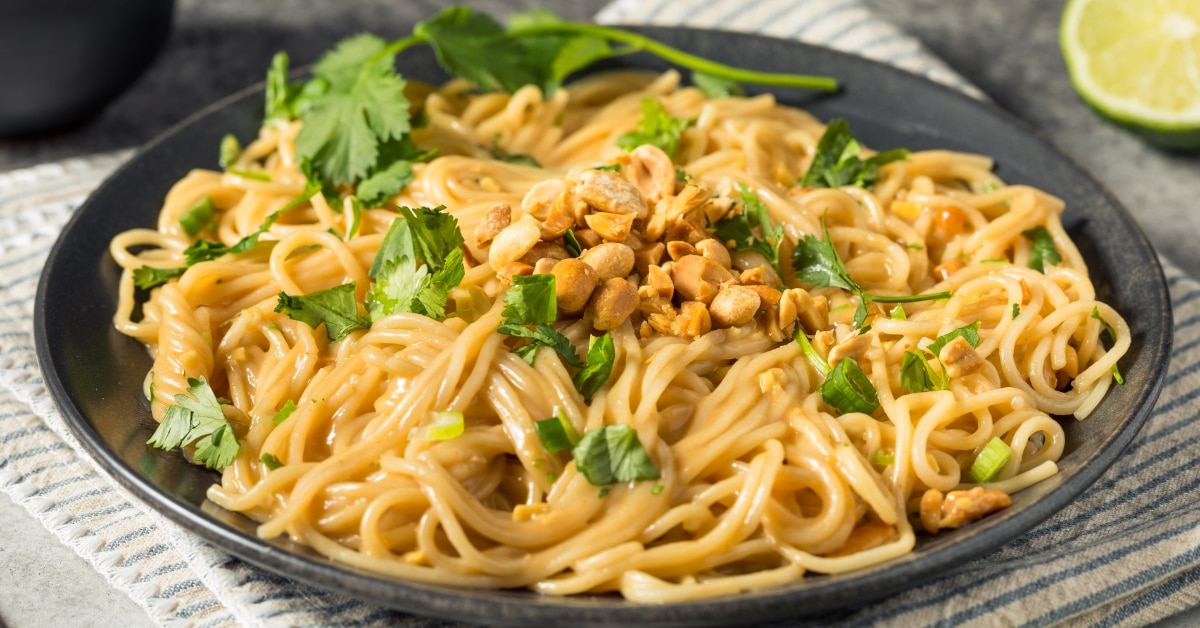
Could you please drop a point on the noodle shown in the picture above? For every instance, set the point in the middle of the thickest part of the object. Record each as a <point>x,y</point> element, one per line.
<point>761,480</point>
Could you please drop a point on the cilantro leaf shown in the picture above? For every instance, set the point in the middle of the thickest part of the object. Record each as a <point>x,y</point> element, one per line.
<point>818,263</point>
<point>657,127</point>
<point>836,162</point>
<point>270,461</point>
<point>198,419</point>
<point>421,234</point>
<point>968,332</point>
<point>613,454</point>
<point>1042,251</point>
<point>542,335</point>
<point>475,47</point>
<point>148,277</point>
<point>848,389</point>
<point>285,100</point>
<point>335,307</point>
<point>600,357</point>
<point>740,229</point>
<point>419,262</point>
<point>571,243</point>
<point>363,107</point>
<point>566,52</point>
<point>917,374</point>
<point>392,172</point>
<point>531,299</point>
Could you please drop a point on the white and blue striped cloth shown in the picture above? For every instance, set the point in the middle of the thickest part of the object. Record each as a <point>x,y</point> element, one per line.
<point>1127,552</point>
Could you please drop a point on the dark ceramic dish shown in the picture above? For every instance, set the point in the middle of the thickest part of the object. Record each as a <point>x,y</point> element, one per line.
<point>96,374</point>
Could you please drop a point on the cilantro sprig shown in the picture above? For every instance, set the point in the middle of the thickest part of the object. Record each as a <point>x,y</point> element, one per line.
<point>837,163</point>
<point>354,108</point>
<point>740,229</point>
<point>334,307</point>
<point>657,127</point>
<point>419,262</point>
<point>817,262</point>
<point>198,419</point>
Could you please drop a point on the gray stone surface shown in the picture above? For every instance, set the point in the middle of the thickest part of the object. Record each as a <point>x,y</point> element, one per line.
<point>1009,49</point>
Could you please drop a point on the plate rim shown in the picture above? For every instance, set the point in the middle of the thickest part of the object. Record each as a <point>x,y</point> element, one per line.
<point>463,604</point>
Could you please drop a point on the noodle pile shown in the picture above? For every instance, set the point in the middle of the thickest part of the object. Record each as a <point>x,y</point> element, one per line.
<point>760,479</point>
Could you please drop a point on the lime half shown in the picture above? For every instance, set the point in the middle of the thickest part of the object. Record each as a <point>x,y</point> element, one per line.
<point>1137,62</point>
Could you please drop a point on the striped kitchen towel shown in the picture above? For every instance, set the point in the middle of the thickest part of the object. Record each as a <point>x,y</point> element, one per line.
<point>1126,553</point>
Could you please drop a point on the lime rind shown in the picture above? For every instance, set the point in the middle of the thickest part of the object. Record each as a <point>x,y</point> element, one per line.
<point>1172,130</point>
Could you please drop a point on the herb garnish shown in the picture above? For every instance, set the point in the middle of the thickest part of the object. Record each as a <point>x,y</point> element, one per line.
<point>846,387</point>
<point>837,163</point>
<point>817,262</point>
<point>198,419</point>
<point>600,357</point>
<point>657,127</point>
<point>740,229</point>
<point>335,307</point>
<point>917,374</point>
<point>198,217</point>
<point>613,454</point>
<point>1042,251</point>
<point>1112,334</point>
<point>419,262</point>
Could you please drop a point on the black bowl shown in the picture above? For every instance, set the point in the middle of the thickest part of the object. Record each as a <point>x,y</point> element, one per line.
<point>61,61</point>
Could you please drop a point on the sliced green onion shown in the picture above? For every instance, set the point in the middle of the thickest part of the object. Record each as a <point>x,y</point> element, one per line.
<point>815,358</point>
<point>231,149</point>
<point>990,461</point>
<point>898,312</point>
<point>285,412</point>
<point>1016,310</point>
<point>883,457</point>
<point>255,175</point>
<point>556,433</point>
<point>444,425</point>
<point>271,461</point>
<point>198,217</point>
<point>848,389</point>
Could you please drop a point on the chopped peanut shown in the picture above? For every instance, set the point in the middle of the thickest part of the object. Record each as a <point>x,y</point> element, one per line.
<point>959,508</point>
<point>715,251</point>
<point>542,198</point>
<point>693,320</point>
<point>651,171</point>
<point>960,358</point>
<point>574,282</point>
<point>609,260</point>
<point>945,269</point>
<point>543,249</point>
<point>610,226</point>
<point>698,278</point>
<point>734,305</point>
<point>612,303</point>
<point>514,241</point>
<point>678,248</point>
<point>493,223</point>
<point>609,193</point>
<point>648,256</point>
<point>660,282</point>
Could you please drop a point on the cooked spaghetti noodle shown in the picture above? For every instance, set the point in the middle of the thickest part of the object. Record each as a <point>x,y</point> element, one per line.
<point>761,480</point>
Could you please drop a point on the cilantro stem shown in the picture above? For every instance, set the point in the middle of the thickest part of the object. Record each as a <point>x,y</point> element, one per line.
<point>909,298</point>
<point>687,60</point>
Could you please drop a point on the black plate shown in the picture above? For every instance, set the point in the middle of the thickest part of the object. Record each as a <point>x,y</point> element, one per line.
<point>96,373</point>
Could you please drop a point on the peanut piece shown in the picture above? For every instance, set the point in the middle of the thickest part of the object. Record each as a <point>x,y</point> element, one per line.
<point>493,223</point>
<point>608,192</point>
<point>610,226</point>
<point>698,278</point>
<point>512,243</point>
<point>574,282</point>
<point>734,305</point>
<point>612,303</point>
<point>715,251</point>
<point>609,260</point>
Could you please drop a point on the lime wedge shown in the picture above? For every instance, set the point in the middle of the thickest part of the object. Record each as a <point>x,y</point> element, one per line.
<point>1138,64</point>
